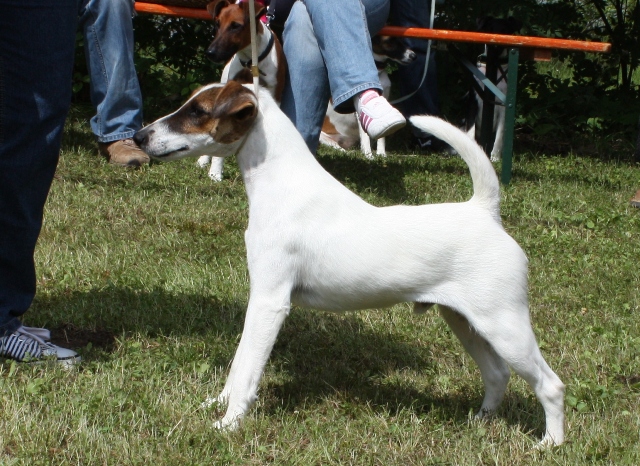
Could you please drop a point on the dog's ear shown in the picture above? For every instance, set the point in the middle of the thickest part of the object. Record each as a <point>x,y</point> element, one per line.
<point>214,8</point>
<point>236,109</point>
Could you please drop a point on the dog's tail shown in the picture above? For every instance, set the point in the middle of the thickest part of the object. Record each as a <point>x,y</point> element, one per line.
<point>486,188</point>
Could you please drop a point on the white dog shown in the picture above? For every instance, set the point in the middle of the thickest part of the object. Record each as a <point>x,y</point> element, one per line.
<point>312,242</point>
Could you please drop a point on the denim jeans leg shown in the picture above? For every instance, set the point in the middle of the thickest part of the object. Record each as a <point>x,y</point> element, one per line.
<point>109,46</point>
<point>414,13</point>
<point>343,29</point>
<point>306,93</point>
<point>309,85</point>
<point>37,40</point>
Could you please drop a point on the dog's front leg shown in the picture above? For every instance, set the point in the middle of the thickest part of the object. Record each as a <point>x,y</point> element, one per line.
<point>216,169</point>
<point>263,322</point>
<point>203,161</point>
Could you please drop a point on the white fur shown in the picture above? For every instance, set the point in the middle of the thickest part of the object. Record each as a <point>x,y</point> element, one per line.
<point>312,242</point>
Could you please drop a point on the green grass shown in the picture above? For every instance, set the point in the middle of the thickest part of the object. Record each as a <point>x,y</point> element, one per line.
<point>143,272</point>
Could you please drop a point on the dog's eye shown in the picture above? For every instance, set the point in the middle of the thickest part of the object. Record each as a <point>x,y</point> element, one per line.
<point>197,112</point>
<point>235,26</point>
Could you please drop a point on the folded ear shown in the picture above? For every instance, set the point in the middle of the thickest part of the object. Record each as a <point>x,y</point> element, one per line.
<point>236,109</point>
<point>214,8</point>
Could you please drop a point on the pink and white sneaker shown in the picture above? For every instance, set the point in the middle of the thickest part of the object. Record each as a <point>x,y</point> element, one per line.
<point>376,115</point>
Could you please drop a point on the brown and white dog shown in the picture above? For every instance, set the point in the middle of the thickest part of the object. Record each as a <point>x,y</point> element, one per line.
<point>313,243</point>
<point>343,131</point>
<point>232,45</point>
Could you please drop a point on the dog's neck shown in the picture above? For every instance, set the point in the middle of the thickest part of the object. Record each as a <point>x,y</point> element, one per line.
<point>261,157</point>
<point>265,39</point>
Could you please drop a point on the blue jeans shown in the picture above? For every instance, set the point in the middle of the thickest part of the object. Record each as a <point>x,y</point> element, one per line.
<point>115,92</point>
<point>327,44</point>
<point>37,40</point>
<point>415,13</point>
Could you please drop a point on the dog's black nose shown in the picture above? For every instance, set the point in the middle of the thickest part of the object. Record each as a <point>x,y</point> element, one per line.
<point>212,55</point>
<point>141,138</point>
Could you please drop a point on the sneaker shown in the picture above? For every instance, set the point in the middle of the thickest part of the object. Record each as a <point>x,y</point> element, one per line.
<point>376,115</point>
<point>28,344</point>
<point>635,200</point>
<point>124,153</point>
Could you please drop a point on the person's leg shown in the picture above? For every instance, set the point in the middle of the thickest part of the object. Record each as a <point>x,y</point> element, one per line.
<point>412,13</point>
<point>37,39</point>
<point>306,91</point>
<point>115,92</point>
<point>343,30</point>
<point>352,71</point>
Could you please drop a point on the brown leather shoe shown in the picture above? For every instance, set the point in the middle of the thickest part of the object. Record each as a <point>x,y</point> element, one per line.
<point>635,200</point>
<point>124,153</point>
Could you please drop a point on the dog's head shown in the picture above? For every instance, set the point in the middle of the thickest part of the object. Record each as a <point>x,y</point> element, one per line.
<point>232,30</point>
<point>213,122</point>
<point>391,48</point>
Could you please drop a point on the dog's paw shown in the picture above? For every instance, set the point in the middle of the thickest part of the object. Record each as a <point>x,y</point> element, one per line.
<point>228,423</point>
<point>484,413</point>
<point>203,161</point>
<point>496,156</point>
<point>547,442</point>
<point>215,176</point>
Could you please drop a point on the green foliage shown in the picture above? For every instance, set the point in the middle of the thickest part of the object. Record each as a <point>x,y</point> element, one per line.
<point>594,95</point>
<point>170,58</point>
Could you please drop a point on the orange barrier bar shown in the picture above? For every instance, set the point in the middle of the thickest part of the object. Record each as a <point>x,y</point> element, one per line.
<point>498,39</point>
<point>157,9</point>
<point>422,33</point>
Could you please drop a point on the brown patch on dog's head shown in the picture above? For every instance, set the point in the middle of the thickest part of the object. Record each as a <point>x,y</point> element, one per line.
<point>232,28</point>
<point>226,113</point>
<point>235,112</point>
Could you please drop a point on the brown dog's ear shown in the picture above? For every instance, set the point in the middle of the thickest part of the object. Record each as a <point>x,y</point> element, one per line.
<point>214,8</point>
<point>236,109</point>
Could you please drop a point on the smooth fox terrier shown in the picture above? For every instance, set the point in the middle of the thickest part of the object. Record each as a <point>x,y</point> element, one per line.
<point>313,243</point>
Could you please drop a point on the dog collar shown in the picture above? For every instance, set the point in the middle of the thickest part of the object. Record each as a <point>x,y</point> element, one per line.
<point>265,53</point>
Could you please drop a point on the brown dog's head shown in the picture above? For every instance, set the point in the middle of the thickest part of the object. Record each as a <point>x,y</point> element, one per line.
<point>213,122</point>
<point>232,31</point>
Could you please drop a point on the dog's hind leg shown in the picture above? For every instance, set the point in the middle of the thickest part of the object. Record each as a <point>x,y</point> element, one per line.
<point>509,333</point>
<point>495,372</point>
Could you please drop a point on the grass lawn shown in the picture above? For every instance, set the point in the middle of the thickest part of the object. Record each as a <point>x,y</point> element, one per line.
<point>143,272</point>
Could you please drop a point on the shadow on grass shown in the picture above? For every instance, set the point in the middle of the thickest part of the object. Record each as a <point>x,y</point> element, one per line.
<point>317,354</point>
